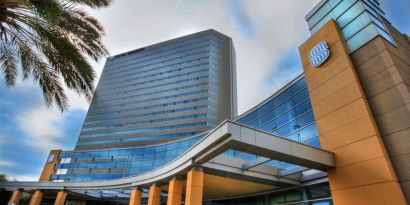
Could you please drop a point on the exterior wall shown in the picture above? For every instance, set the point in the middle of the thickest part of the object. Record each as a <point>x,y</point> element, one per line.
<point>162,93</point>
<point>227,66</point>
<point>234,97</point>
<point>384,72</point>
<point>363,173</point>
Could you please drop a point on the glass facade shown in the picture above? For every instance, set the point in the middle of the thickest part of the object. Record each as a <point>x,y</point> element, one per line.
<point>118,163</point>
<point>161,93</point>
<point>288,114</point>
<point>359,20</point>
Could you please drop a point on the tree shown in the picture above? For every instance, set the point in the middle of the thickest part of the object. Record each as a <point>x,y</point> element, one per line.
<point>3,178</point>
<point>49,41</point>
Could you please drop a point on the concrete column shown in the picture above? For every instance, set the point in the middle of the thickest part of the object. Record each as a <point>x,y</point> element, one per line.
<point>15,198</point>
<point>60,200</point>
<point>136,196</point>
<point>194,187</point>
<point>154,197</point>
<point>174,192</point>
<point>36,198</point>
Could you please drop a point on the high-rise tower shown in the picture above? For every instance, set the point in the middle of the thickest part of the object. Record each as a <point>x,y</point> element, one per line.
<point>151,104</point>
<point>163,92</point>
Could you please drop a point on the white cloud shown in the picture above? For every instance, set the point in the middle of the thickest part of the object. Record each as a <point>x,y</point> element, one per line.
<point>278,26</point>
<point>25,178</point>
<point>42,126</point>
<point>5,163</point>
<point>76,101</point>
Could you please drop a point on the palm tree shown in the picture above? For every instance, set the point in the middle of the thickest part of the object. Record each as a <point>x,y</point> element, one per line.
<point>49,41</point>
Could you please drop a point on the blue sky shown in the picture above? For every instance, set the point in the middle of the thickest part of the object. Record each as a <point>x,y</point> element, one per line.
<point>266,36</point>
<point>28,130</point>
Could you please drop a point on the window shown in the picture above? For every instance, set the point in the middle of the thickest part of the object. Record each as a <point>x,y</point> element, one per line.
<point>65,160</point>
<point>62,171</point>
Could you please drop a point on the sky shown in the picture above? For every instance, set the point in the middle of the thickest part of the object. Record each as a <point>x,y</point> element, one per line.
<point>266,35</point>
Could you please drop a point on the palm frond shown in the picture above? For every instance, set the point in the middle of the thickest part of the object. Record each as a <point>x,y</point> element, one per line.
<point>8,59</point>
<point>50,40</point>
<point>92,3</point>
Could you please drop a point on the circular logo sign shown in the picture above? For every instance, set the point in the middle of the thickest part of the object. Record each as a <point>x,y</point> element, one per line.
<point>319,54</point>
<point>50,158</point>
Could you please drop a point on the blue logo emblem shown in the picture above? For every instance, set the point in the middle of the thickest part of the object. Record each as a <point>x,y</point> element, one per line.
<point>319,54</point>
<point>50,158</point>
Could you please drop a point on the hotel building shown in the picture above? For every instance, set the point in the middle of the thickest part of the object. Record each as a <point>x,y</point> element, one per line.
<point>338,134</point>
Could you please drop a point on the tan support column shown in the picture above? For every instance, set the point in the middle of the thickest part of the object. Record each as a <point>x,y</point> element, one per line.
<point>36,198</point>
<point>136,196</point>
<point>52,159</point>
<point>174,192</point>
<point>60,200</point>
<point>194,187</point>
<point>363,172</point>
<point>15,198</point>
<point>154,197</point>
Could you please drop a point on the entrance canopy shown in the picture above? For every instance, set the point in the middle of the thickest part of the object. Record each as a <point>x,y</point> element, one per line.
<point>208,154</point>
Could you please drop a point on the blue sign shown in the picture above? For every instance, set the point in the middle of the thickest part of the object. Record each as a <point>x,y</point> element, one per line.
<point>319,54</point>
